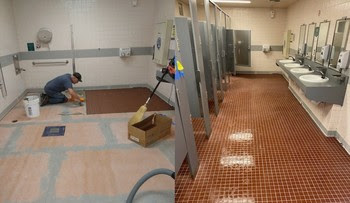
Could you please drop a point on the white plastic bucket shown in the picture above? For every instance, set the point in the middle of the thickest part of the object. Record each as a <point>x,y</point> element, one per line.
<point>32,107</point>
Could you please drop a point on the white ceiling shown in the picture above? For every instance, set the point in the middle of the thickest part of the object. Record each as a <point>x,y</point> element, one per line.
<point>254,4</point>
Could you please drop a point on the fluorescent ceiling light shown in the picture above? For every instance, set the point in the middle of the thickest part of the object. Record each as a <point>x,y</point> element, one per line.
<point>232,1</point>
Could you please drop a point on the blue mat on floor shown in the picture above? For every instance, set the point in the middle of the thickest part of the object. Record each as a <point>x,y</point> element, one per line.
<point>54,131</point>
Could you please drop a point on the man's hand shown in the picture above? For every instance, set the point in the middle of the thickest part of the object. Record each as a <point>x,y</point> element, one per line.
<point>74,95</point>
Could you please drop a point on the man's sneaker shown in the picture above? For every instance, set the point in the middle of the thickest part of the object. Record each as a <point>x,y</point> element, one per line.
<point>44,100</point>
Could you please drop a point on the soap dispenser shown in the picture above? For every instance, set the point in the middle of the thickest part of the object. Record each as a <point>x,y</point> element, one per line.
<point>325,52</point>
<point>343,60</point>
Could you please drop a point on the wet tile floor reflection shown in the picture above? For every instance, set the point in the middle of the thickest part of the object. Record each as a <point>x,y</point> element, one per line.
<point>264,148</point>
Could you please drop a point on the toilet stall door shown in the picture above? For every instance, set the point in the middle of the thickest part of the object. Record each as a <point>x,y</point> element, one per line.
<point>242,47</point>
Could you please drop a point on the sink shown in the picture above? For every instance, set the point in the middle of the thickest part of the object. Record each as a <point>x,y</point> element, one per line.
<point>313,78</point>
<point>301,70</point>
<point>293,65</point>
<point>286,61</point>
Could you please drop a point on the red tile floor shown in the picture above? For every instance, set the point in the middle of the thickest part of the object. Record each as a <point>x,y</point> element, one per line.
<point>264,148</point>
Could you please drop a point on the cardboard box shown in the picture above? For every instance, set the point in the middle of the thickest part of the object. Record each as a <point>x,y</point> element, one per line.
<point>150,129</point>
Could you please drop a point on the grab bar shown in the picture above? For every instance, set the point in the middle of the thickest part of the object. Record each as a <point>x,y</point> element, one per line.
<point>2,83</point>
<point>51,63</point>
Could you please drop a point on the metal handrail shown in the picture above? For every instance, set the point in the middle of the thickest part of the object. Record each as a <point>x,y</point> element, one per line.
<point>51,63</point>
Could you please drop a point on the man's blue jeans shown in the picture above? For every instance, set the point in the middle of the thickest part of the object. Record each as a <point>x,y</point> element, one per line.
<point>56,97</point>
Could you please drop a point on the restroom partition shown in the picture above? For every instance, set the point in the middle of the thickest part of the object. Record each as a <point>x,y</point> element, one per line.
<point>217,62</point>
<point>230,57</point>
<point>209,43</point>
<point>209,67</point>
<point>194,70</point>
<point>206,60</point>
<point>242,47</point>
<point>218,42</point>
<point>222,55</point>
<point>202,57</point>
<point>184,36</point>
<point>185,144</point>
<point>222,31</point>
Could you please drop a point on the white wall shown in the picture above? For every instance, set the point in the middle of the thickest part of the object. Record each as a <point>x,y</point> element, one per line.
<point>97,24</point>
<point>264,30</point>
<point>9,45</point>
<point>332,117</point>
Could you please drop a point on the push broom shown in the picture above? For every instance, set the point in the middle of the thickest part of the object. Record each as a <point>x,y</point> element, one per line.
<point>137,117</point>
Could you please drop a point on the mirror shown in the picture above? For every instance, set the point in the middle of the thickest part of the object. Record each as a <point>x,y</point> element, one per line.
<point>340,39</point>
<point>321,40</point>
<point>301,44</point>
<point>310,40</point>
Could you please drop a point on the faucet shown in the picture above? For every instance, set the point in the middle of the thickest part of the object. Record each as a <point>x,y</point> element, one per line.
<point>300,61</point>
<point>322,71</point>
<point>310,69</point>
<point>292,58</point>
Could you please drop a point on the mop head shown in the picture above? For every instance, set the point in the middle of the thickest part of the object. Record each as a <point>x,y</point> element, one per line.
<point>137,117</point>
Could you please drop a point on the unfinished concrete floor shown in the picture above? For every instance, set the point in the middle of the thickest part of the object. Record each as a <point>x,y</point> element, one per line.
<point>93,162</point>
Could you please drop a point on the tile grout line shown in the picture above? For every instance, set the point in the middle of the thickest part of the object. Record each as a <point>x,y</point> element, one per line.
<point>48,182</point>
<point>106,130</point>
<point>10,146</point>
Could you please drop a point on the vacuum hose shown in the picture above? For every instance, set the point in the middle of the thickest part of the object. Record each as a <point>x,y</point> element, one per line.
<point>145,178</point>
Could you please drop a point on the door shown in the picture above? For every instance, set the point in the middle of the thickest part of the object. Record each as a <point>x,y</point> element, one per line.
<point>206,58</point>
<point>229,52</point>
<point>242,47</point>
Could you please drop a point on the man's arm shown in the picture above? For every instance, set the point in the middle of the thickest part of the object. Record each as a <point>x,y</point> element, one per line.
<point>74,95</point>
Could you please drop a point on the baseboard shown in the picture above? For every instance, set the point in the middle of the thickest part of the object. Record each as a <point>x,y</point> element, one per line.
<point>312,115</point>
<point>258,72</point>
<point>13,104</point>
<point>341,140</point>
<point>163,97</point>
<point>327,133</point>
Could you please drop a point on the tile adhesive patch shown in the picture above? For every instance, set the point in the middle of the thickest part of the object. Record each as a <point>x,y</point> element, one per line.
<point>122,101</point>
<point>54,131</point>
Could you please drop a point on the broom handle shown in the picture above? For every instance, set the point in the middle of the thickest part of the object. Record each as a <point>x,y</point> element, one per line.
<point>157,86</point>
